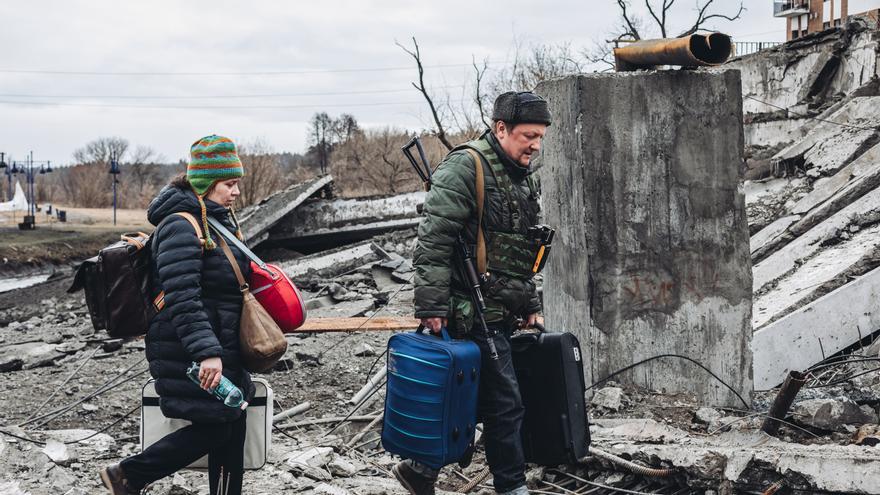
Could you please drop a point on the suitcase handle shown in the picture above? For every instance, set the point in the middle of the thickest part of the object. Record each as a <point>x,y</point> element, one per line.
<point>443,333</point>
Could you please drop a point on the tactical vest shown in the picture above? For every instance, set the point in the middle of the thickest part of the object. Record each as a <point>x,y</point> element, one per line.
<point>510,251</point>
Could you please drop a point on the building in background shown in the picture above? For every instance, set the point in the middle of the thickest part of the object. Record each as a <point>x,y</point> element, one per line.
<point>810,16</point>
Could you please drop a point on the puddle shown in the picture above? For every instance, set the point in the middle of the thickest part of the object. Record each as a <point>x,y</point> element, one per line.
<point>8,284</point>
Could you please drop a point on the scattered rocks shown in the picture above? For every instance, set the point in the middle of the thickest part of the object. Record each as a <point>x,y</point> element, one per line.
<point>830,414</point>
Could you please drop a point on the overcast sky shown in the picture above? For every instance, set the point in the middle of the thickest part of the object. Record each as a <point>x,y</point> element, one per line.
<point>71,70</point>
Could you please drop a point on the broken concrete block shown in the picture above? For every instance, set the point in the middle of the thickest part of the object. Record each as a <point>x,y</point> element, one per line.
<point>339,221</point>
<point>645,195</point>
<point>341,466</point>
<point>804,337</point>
<point>314,457</point>
<point>260,218</point>
<point>32,355</point>
<point>610,398</point>
<point>59,452</point>
<point>707,416</point>
<point>364,350</point>
<point>829,414</point>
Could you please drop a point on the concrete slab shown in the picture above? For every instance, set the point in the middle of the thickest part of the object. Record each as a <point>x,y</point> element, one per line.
<point>862,176</point>
<point>256,221</point>
<point>771,234</point>
<point>330,263</point>
<point>817,330</point>
<point>750,461</point>
<point>830,268</point>
<point>339,221</point>
<point>789,257</point>
<point>651,256</point>
<point>838,139</point>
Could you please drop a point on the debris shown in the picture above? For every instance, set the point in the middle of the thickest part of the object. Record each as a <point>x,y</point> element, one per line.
<point>707,415</point>
<point>364,350</point>
<point>258,219</point>
<point>376,380</point>
<point>58,452</point>
<point>293,411</point>
<point>341,466</point>
<point>610,398</point>
<point>867,435</point>
<point>830,414</point>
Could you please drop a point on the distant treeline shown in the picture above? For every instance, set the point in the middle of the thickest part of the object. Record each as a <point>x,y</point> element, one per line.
<point>362,162</point>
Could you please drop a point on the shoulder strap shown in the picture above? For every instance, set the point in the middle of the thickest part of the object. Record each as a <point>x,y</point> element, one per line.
<point>224,232</point>
<point>481,194</point>
<point>159,300</point>
<point>242,284</point>
<point>195,224</point>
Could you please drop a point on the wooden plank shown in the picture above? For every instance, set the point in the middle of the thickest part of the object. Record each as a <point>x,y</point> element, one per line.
<point>379,324</point>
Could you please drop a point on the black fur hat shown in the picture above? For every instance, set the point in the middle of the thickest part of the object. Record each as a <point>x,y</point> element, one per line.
<point>522,107</point>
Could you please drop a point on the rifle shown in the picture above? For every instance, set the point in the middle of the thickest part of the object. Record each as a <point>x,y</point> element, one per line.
<point>467,267</point>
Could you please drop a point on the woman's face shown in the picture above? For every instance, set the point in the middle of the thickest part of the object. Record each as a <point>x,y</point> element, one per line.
<point>225,192</point>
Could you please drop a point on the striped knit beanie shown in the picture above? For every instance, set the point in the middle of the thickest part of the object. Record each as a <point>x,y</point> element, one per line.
<point>212,158</point>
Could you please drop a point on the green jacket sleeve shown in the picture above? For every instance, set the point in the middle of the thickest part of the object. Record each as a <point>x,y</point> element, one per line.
<point>449,206</point>
<point>534,305</point>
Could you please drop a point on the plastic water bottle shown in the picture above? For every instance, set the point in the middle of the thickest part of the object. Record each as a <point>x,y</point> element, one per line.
<point>226,391</point>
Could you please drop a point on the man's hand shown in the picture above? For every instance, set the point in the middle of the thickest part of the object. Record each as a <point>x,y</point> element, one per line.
<point>434,324</point>
<point>529,321</point>
<point>210,372</point>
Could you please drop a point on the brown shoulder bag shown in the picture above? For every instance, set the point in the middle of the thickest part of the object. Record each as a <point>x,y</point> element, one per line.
<point>262,342</point>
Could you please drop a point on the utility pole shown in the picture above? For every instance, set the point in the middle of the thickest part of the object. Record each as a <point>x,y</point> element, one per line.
<point>6,171</point>
<point>114,172</point>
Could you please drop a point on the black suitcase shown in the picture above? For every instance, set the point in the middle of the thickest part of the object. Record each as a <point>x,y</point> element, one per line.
<point>550,372</point>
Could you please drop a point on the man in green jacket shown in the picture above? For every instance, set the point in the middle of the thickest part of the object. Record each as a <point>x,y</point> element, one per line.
<point>505,251</point>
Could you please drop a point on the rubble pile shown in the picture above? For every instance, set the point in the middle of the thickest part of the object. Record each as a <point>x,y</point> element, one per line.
<point>71,396</point>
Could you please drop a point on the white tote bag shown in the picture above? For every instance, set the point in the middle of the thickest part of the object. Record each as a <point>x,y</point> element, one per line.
<point>154,424</point>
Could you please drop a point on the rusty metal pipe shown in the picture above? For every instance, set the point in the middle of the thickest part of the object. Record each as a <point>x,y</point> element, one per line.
<point>691,51</point>
<point>789,390</point>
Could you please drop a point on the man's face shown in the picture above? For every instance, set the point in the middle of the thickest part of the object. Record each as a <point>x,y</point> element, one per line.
<point>521,141</point>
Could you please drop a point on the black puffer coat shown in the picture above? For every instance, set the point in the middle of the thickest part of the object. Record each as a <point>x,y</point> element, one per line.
<point>202,309</point>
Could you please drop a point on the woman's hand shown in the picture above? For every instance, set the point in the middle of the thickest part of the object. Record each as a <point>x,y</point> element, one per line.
<point>210,372</point>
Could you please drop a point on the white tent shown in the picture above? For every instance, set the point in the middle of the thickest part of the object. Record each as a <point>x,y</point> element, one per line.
<point>19,201</point>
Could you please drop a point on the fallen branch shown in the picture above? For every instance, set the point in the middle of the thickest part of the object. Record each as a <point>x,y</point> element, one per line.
<point>293,411</point>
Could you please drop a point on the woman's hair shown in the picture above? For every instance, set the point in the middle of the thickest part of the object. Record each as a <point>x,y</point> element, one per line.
<point>181,182</point>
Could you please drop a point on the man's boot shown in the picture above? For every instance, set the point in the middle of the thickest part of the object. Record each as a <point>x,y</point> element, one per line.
<point>114,480</point>
<point>414,482</point>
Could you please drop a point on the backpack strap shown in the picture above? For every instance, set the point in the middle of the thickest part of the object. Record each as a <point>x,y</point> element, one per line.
<point>481,255</point>
<point>159,301</point>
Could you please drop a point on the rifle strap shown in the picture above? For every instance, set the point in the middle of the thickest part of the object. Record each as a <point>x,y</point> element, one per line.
<point>481,195</point>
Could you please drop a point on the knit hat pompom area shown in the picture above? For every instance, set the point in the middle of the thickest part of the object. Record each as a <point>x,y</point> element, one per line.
<point>212,158</point>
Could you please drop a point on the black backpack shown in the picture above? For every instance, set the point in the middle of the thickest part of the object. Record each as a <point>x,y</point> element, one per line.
<point>118,285</point>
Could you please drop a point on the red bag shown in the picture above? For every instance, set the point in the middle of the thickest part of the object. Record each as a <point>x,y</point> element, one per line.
<point>278,296</point>
<point>269,286</point>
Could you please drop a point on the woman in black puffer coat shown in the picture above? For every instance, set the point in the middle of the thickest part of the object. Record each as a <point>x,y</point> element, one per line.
<point>199,323</point>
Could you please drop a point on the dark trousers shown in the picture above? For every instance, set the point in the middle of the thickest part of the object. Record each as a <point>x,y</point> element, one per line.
<point>222,442</point>
<point>501,409</point>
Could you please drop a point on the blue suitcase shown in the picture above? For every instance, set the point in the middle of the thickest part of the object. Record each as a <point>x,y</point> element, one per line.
<point>431,397</point>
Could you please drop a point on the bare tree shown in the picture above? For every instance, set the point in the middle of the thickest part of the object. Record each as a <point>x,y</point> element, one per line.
<point>262,171</point>
<point>100,150</point>
<point>416,55</point>
<point>632,27</point>
<point>371,162</point>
